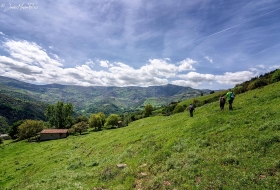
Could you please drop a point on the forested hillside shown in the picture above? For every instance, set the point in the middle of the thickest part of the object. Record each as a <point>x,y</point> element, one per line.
<point>13,109</point>
<point>109,100</point>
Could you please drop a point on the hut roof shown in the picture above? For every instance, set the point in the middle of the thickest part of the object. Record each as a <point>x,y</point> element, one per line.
<point>52,131</point>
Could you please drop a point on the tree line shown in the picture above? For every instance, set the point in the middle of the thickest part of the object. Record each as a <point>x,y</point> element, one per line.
<point>60,116</point>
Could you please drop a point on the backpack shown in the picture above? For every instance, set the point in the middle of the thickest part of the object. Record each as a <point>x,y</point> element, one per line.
<point>191,107</point>
<point>222,100</point>
<point>232,96</point>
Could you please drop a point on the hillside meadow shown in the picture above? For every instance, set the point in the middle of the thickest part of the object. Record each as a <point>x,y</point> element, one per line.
<point>215,149</point>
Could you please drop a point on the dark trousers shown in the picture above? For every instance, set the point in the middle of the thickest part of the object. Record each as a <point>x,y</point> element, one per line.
<point>230,104</point>
<point>191,113</point>
<point>222,105</point>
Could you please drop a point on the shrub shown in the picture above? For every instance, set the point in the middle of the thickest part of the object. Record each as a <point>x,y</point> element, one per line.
<point>179,108</point>
<point>257,84</point>
<point>95,121</point>
<point>148,110</point>
<point>79,127</point>
<point>80,119</point>
<point>14,129</point>
<point>276,76</point>
<point>112,120</point>
<point>30,128</point>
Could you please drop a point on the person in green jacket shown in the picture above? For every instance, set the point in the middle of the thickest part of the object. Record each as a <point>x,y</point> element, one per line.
<point>230,97</point>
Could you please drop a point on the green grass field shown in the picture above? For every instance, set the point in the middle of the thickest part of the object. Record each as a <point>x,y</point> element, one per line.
<point>215,149</point>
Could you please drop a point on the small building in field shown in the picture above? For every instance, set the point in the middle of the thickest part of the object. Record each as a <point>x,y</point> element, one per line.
<point>5,136</point>
<point>52,134</point>
<point>120,124</point>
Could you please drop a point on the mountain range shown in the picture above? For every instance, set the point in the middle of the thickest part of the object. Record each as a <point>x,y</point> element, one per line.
<point>86,100</point>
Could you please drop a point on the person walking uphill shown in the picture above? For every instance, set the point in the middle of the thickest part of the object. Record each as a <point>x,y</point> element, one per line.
<point>191,109</point>
<point>222,102</point>
<point>230,98</point>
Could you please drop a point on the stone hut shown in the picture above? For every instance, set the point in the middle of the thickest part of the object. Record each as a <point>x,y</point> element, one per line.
<point>5,136</point>
<point>52,134</point>
<point>120,124</point>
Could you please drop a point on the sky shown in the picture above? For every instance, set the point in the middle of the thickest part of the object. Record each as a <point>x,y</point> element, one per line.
<point>203,44</point>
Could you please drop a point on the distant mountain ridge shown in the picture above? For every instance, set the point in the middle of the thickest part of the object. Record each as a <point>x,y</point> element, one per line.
<point>93,99</point>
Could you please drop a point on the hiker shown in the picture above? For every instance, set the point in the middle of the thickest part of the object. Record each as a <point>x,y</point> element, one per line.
<point>230,97</point>
<point>191,109</point>
<point>222,102</point>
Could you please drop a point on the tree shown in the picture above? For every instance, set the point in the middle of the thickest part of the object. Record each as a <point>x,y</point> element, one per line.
<point>30,128</point>
<point>102,117</point>
<point>275,76</point>
<point>179,108</point>
<point>80,127</point>
<point>4,126</point>
<point>60,115</point>
<point>112,120</point>
<point>14,129</point>
<point>148,110</point>
<point>97,120</point>
<point>80,119</point>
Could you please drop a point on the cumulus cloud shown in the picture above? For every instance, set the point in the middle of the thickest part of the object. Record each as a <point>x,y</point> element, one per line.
<point>27,61</point>
<point>186,64</point>
<point>235,78</point>
<point>230,78</point>
<point>197,77</point>
<point>104,63</point>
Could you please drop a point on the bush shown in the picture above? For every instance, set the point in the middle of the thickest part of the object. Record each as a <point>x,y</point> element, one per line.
<point>148,110</point>
<point>4,126</point>
<point>14,129</point>
<point>276,76</point>
<point>257,84</point>
<point>179,108</point>
<point>30,128</point>
<point>79,127</point>
<point>112,120</point>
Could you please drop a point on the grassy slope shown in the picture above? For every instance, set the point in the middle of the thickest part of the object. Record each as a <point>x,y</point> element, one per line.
<point>215,149</point>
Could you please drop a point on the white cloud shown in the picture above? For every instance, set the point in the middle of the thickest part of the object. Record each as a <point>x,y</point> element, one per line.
<point>186,64</point>
<point>30,62</point>
<point>89,62</point>
<point>209,59</point>
<point>159,67</point>
<point>234,78</point>
<point>184,83</point>
<point>261,66</point>
<point>273,67</point>
<point>194,79</point>
<point>230,78</point>
<point>29,53</point>
<point>1,33</point>
<point>104,63</point>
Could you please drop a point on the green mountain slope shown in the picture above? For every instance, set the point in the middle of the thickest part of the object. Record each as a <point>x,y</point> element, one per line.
<point>13,109</point>
<point>215,149</point>
<point>109,100</point>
